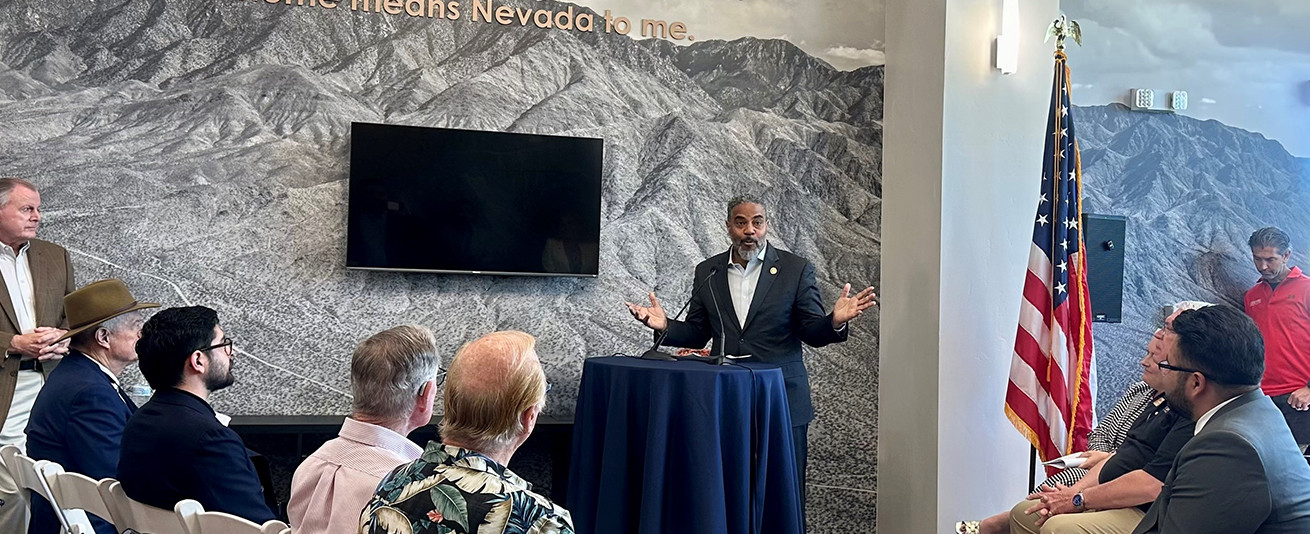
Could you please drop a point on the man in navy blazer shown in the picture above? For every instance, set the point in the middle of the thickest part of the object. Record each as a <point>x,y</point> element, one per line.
<point>1242,472</point>
<point>761,302</point>
<point>78,418</point>
<point>174,447</point>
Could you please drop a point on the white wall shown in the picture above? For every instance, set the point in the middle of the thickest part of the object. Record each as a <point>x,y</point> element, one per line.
<point>961,170</point>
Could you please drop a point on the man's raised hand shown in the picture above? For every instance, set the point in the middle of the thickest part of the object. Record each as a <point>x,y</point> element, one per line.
<point>849,307</point>
<point>652,316</point>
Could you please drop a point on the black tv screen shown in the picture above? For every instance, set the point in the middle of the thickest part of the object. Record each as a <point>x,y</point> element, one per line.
<point>447,200</point>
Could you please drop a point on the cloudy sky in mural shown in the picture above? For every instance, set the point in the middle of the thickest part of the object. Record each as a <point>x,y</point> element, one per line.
<point>1246,64</point>
<point>846,33</point>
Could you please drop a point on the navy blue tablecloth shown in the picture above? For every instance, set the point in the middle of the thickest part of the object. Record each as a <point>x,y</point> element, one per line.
<point>663,447</point>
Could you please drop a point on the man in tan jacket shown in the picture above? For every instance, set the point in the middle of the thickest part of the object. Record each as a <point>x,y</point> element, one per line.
<point>34,277</point>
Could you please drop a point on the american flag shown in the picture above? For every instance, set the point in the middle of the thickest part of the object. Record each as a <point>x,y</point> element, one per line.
<point>1052,387</point>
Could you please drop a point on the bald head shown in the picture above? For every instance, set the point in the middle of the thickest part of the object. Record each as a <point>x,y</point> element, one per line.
<point>494,389</point>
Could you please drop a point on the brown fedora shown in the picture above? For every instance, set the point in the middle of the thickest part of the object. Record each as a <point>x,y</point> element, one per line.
<point>98,302</point>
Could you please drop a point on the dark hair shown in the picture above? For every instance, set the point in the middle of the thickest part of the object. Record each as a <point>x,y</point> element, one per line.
<point>1223,343</point>
<point>169,338</point>
<point>1270,236</point>
<point>742,199</point>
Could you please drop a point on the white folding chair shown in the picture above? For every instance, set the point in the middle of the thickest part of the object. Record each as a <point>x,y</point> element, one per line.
<point>28,474</point>
<point>76,520</point>
<point>76,491</point>
<point>138,516</point>
<point>198,521</point>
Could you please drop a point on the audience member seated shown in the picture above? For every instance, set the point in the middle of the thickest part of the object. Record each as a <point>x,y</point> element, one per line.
<point>174,447</point>
<point>1242,473</point>
<point>495,390</point>
<point>78,418</point>
<point>393,378</point>
<point>1115,494</point>
<point>1110,434</point>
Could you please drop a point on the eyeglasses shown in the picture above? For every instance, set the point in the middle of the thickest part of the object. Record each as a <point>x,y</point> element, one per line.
<point>226,344</point>
<point>547,388</point>
<point>1163,365</point>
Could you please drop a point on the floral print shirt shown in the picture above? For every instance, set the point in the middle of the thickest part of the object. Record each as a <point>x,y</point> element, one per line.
<point>454,490</point>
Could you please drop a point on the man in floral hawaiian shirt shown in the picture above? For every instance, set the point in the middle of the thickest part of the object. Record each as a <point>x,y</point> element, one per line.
<point>495,389</point>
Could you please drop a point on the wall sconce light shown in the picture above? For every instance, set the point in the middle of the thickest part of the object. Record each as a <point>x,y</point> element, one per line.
<point>1178,100</point>
<point>1007,43</point>
<point>1141,99</point>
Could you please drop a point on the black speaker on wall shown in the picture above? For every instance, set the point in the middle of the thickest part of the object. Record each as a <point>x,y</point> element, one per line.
<point>1104,238</point>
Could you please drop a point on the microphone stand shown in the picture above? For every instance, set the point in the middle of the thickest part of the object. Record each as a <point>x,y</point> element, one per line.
<point>717,359</point>
<point>654,353</point>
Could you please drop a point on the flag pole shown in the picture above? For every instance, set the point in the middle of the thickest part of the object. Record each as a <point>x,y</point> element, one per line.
<point>1032,468</point>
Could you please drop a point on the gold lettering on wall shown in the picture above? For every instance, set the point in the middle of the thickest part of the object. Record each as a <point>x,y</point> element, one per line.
<point>571,18</point>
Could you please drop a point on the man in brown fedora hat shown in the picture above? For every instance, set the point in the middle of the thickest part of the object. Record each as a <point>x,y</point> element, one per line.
<point>34,275</point>
<point>79,416</point>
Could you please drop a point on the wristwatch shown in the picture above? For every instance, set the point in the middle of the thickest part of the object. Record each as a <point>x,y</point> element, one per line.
<point>1078,501</point>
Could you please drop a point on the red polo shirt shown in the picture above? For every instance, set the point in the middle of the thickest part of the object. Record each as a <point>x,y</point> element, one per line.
<point>1283,315</point>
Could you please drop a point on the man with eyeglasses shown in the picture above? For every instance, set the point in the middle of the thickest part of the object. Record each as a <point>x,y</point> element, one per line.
<point>393,380</point>
<point>1116,492</point>
<point>462,484</point>
<point>1242,472</point>
<point>174,447</point>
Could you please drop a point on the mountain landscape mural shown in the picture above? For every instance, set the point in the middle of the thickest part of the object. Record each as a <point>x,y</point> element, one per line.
<point>1193,191</point>
<point>199,151</point>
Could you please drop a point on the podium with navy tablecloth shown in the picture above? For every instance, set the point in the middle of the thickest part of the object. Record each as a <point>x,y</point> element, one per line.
<point>682,447</point>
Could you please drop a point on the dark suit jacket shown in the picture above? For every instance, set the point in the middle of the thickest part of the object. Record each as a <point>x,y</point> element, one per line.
<point>1241,474</point>
<point>52,278</point>
<point>77,422</point>
<point>174,449</point>
<point>785,312</point>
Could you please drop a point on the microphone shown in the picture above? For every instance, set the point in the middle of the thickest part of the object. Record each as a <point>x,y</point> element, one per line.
<point>717,359</point>
<point>654,353</point>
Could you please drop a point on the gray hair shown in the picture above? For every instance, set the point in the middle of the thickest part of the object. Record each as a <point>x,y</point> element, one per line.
<point>742,199</point>
<point>388,369</point>
<point>7,186</point>
<point>87,338</point>
<point>1270,236</point>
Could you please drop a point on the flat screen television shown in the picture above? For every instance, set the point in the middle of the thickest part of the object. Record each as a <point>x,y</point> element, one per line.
<point>464,201</point>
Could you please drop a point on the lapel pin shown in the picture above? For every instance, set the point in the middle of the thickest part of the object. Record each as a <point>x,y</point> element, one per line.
<point>773,270</point>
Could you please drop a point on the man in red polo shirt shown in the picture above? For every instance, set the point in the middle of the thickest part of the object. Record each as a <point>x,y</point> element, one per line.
<point>1280,305</point>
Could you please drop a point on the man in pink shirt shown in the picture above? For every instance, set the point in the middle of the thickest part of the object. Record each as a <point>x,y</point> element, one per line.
<point>393,378</point>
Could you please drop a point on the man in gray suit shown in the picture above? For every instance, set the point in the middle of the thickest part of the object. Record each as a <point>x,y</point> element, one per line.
<point>1242,472</point>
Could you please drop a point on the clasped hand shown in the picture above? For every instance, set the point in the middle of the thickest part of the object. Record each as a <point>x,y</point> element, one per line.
<point>1053,501</point>
<point>39,344</point>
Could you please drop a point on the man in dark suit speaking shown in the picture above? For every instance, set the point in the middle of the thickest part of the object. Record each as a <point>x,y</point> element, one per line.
<point>767,305</point>
<point>1242,472</point>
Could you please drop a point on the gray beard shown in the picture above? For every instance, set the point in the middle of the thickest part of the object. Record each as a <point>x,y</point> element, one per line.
<point>746,253</point>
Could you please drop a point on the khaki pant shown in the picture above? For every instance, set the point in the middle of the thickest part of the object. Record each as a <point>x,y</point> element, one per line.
<point>14,512</point>
<point>1117,521</point>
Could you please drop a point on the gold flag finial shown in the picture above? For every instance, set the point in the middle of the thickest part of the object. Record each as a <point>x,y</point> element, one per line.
<point>1063,28</point>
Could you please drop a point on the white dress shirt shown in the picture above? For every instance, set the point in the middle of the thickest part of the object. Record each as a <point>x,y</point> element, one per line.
<point>742,282</point>
<point>18,280</point>
<point>112,379</point>
<point>330,489</point>
<point>1200,423</point>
